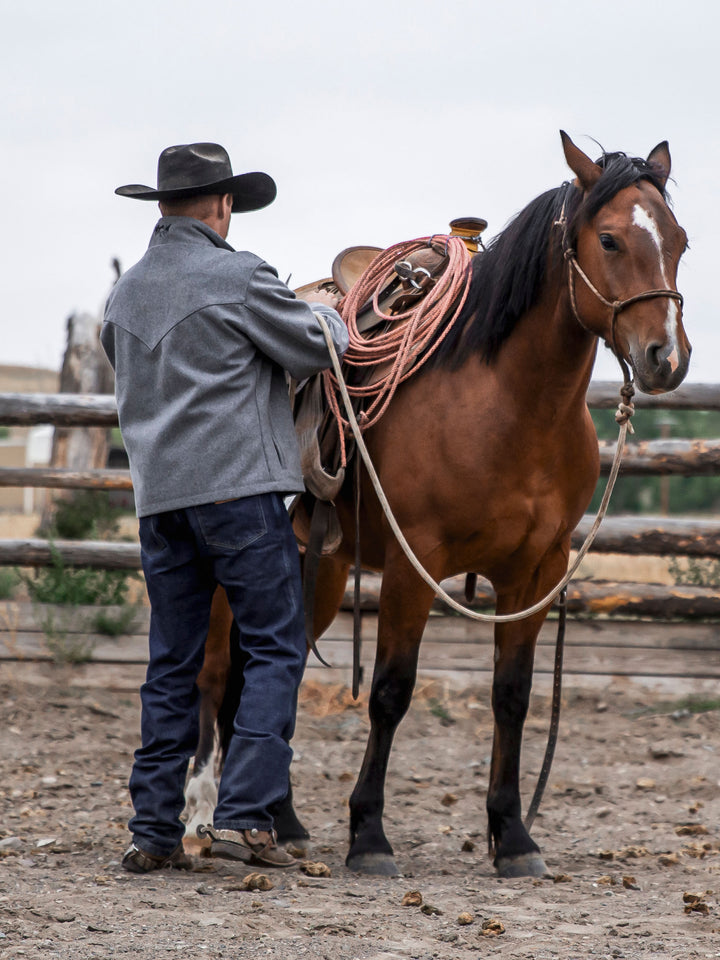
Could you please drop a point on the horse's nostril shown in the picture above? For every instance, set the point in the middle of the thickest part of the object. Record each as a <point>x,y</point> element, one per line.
<point>661,366</point>
<point>653,355</point>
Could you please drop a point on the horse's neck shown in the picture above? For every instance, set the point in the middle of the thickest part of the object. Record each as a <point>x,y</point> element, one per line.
<point>548,359</point>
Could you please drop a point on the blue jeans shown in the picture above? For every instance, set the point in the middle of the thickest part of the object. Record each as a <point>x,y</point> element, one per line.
<point>247,546</point>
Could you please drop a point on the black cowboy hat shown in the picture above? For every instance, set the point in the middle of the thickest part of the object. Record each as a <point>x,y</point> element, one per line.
<point>190,169</point>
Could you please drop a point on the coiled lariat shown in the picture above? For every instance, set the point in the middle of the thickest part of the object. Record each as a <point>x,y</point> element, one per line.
<point>409,337</point>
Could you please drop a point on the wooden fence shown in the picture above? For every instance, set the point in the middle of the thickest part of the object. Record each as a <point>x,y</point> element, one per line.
<point>667,648</point>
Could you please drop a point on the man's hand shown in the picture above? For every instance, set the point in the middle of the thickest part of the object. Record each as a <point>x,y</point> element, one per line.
<point>329,298</point>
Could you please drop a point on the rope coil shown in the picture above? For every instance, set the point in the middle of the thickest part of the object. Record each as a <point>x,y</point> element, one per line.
<point>415,332</point>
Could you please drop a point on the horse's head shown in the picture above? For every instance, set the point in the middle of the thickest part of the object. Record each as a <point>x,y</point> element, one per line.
<point>623,269</point>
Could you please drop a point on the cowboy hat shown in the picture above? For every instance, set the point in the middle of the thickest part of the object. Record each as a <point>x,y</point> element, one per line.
<point>190,169</point>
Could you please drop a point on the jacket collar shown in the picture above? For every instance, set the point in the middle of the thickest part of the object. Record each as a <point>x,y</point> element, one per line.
<point>186,230</point>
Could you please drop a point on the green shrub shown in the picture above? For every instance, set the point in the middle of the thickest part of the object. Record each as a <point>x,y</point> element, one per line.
<point>87,515</point>
<point>703,572</point>
<point>76,586</point>
<point>64,640</point>
<point>114,624</point>
<point>59,594</point>
<point>9,580</point>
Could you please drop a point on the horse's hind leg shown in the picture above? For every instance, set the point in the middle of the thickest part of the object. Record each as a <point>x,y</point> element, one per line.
<point>404,606</point>
<point>201,789</point>
<point>332,578</point>
<point>286,822</point>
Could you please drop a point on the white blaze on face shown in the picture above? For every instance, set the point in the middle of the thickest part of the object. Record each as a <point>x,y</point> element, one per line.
<point>645,220</point>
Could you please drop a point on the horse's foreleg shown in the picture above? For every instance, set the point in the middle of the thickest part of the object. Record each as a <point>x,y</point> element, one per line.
<point>516,854</point>
<point>404,606</point>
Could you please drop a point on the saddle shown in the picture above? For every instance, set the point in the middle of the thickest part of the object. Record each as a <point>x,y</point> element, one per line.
<point>412,277</point>
<point>405,288</point>
<point>315,521</point>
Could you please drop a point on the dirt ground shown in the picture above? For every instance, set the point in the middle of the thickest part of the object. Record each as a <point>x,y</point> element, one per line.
<point>629,830</point>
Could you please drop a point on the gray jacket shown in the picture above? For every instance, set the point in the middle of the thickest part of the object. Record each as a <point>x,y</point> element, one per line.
<point>200,337</point>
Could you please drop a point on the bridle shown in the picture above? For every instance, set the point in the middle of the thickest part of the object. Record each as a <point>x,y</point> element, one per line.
<point>625,411</point>
<point>616,306</point>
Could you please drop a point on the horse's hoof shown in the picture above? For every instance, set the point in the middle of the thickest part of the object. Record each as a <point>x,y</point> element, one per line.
<point>524,865</point>
<point>374,864</point>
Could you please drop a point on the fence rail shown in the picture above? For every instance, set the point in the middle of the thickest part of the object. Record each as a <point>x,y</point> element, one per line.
<point>628,647</point>
<point>58,409</point>
<point>661,536</point>
<point>100,410</point>
<point>65,479</point>
<point>697,458</point>
<point>649,535</point>
<point>604,394</point>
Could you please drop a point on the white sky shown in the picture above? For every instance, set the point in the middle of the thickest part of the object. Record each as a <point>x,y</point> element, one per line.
<point>380,121</point>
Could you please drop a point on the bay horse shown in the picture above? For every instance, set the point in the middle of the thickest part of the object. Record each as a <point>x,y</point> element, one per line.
<point>489,457</point>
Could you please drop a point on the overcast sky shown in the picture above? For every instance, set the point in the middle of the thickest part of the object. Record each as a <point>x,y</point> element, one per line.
<point>380,121</point>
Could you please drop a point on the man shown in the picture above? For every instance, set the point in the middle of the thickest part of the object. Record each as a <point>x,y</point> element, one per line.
<point>200,337</point>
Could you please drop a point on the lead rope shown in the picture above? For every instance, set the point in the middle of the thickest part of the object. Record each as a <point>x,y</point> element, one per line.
<point>625,411</point>
<point>554,714</point>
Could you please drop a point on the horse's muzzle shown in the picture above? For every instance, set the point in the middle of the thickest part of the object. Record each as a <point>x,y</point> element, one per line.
<point>660,367</point>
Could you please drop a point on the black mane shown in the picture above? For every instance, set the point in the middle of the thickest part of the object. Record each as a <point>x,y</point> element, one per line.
<point>508,278</point>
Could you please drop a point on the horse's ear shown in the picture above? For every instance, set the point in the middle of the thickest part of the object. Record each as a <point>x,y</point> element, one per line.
<point>587,172</point>
<point>659,157</point>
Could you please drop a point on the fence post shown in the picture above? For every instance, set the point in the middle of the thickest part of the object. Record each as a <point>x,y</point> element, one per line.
<point>85,369</point>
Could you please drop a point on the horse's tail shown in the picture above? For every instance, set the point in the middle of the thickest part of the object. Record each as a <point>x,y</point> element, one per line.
<point>234,684</point>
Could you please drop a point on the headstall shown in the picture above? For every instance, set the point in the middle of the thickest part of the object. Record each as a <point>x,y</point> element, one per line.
<point>616,306</point>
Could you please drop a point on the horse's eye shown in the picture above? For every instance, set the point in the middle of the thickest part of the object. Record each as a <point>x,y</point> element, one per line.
<point>607,241</point>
